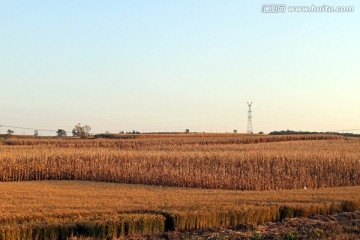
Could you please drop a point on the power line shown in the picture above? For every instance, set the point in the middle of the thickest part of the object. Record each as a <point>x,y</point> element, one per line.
<point>346,130</point>
<point>28,128</point>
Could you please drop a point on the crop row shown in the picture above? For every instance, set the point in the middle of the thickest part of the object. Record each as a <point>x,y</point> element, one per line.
<point>231,169</point>
<point>161,141</point>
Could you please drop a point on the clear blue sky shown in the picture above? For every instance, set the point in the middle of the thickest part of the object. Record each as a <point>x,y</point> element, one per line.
<point>166,65</point>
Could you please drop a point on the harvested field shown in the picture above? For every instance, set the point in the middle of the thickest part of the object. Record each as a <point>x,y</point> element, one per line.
<point>68,208</point>
<point>341,226</point>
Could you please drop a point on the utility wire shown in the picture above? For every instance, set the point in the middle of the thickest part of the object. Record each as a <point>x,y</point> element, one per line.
<point>346,130</point>
<point>27,128</point>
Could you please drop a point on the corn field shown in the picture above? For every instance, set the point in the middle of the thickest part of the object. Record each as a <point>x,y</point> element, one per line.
<point>159,141</point>
<point>239,163</point>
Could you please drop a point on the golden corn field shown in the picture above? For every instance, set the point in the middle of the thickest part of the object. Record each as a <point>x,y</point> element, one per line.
<point>299,175</point>
<point>159,141</point>
<point>220,163</point>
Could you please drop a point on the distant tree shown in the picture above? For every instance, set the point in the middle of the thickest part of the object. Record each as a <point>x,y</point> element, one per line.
<point>61,133</point>
<point>122,132</point>
<point>107,132</point>
<point>235,131</point>
<point>81,131</point>
<point>36,133</point>
<point>10,132</point>
<point>187,131</point>
<point>261,132</point>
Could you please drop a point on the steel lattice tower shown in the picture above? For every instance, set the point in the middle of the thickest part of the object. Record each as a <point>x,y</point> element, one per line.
<point>249,124</point>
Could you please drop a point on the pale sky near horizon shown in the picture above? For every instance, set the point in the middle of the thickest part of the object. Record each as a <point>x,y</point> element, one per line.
<point>153,65</point>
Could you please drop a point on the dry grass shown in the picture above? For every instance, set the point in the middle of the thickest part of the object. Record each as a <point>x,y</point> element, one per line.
<point>341,226</point>
<point>66,198</point>
<point>96,205</point>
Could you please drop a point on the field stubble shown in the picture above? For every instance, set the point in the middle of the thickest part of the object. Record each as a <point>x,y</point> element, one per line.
<point>59,209</point>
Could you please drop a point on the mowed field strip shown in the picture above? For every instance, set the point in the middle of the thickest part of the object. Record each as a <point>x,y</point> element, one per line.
<point>64,198</point>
